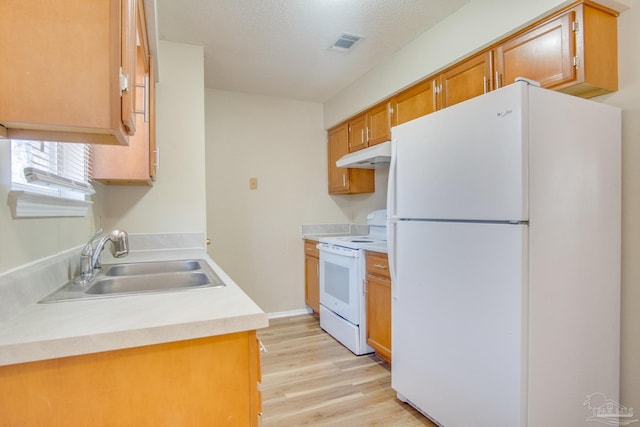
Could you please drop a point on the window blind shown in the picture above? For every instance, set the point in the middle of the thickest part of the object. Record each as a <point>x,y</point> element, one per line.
<point>53,167</point>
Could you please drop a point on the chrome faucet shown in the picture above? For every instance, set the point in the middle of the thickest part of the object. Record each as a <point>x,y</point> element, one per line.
<point>90,255</point>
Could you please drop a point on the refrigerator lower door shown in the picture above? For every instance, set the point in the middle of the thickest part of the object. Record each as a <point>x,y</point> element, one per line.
<point>458,321</point>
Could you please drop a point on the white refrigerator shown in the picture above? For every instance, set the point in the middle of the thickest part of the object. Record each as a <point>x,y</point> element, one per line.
<point>504,243</point>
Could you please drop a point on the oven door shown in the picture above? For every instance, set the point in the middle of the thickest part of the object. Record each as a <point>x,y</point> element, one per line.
<point>341,288</point>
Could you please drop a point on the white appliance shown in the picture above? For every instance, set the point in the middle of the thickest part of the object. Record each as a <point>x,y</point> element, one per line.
<point>504,244</point>
<point>374,157</point>
<point>342,274</point>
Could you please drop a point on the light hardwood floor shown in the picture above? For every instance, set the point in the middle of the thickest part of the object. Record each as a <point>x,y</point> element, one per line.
<point>308,378</point>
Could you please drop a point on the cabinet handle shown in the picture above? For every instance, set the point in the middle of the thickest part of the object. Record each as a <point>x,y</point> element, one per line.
<point>146,99</point>
<point>362,136</point>
<point>263,349</point>
<point>309,249</point>
<point>318,270</point>
<point>485,83</point>
<point>384,267</point>
<point>497,80</point>
<point>344,180</point>
<point>157,163</point>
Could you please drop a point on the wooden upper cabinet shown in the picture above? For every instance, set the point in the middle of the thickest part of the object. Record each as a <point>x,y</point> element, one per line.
<point>544,54</point>
<point>379,124</point>
<point>136,163</point>
<point>345,180</point>
<point>466,80</point>
<point>574,52</point>
<point>128,58</point>
<point>358,133</point>
<point>418,100</point>
<point>370,128</point>
<point>60,76</point>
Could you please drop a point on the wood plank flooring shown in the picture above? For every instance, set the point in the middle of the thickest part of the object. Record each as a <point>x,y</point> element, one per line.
<point>309,379</point>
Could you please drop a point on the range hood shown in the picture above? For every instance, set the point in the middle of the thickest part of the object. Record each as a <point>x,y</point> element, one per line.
<point>372,157</point>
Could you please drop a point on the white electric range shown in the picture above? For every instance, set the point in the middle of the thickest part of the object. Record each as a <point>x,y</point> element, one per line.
<point>342,274</point>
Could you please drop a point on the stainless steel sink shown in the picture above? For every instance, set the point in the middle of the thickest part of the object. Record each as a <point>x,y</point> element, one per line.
<point>134,269</point>
<point>136,278</point>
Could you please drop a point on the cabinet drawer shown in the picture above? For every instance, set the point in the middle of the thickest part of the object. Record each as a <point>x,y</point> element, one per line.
<point>310,248</point>
<point>378,263</point>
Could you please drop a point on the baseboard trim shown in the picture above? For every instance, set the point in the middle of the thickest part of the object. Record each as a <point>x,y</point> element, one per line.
<point>290,313</point>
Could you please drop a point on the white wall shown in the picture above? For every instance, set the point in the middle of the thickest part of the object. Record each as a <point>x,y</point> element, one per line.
<point>256,235</point>
<point>628,98</point>
<point>177,201</point>
<point>25,240</point>
<point>477,25</point>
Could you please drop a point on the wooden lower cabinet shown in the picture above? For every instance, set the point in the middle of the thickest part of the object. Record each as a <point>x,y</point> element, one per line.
<point>378,301</point>
<point>210,381</point>
<point>312,275</point>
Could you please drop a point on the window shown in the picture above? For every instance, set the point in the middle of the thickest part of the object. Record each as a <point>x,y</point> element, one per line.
<point>49,179</point>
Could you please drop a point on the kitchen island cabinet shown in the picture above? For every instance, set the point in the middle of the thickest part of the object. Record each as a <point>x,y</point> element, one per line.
<point>378,302</point>
<point>68,70</point>
<point>312,275</point>
<point>345,180</point>
<point>206,381</point>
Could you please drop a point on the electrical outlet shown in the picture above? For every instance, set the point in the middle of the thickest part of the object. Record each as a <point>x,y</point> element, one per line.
<point>253,183</point>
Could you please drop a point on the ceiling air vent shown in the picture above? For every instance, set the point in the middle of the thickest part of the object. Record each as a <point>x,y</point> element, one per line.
<point>345,42</point>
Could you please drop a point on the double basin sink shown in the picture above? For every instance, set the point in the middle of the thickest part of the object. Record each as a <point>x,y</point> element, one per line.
<point>141,277</point>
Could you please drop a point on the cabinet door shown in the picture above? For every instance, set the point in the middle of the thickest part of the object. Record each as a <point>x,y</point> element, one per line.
<point>378,124</point>
<point>128,65</point>
<point>467,80</point>
<point>544,54</point>
<point>338,147</point>
<point>135,164</point>
<point>358,133</point>
<point>414,102</point>
<point>312,282</point>
<point>379,315</point>
<point>60,71</point>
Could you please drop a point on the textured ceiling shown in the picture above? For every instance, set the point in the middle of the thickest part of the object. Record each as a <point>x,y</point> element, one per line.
<point>281,47</point>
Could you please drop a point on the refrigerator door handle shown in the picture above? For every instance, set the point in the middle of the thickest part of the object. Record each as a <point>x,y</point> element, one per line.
<point>391,185</point>
<point>392,219</point>
<point>392,223</point>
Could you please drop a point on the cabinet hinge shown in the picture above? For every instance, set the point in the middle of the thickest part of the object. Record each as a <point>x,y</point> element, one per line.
<point>124,81</point>
<point>575,26</point>
<point>576,62</point>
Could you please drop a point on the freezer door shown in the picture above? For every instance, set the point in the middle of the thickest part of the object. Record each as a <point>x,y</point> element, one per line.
<point>457,321</point>
<point>468,161</point>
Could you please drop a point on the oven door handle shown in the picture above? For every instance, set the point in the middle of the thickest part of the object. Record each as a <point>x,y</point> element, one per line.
<point>338,250</point>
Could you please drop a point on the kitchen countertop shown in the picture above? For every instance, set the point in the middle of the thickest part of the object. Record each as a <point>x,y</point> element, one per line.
<point>61,329</point>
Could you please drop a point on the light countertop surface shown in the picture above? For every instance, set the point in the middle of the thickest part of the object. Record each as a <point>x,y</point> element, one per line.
<point>53,330</point>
